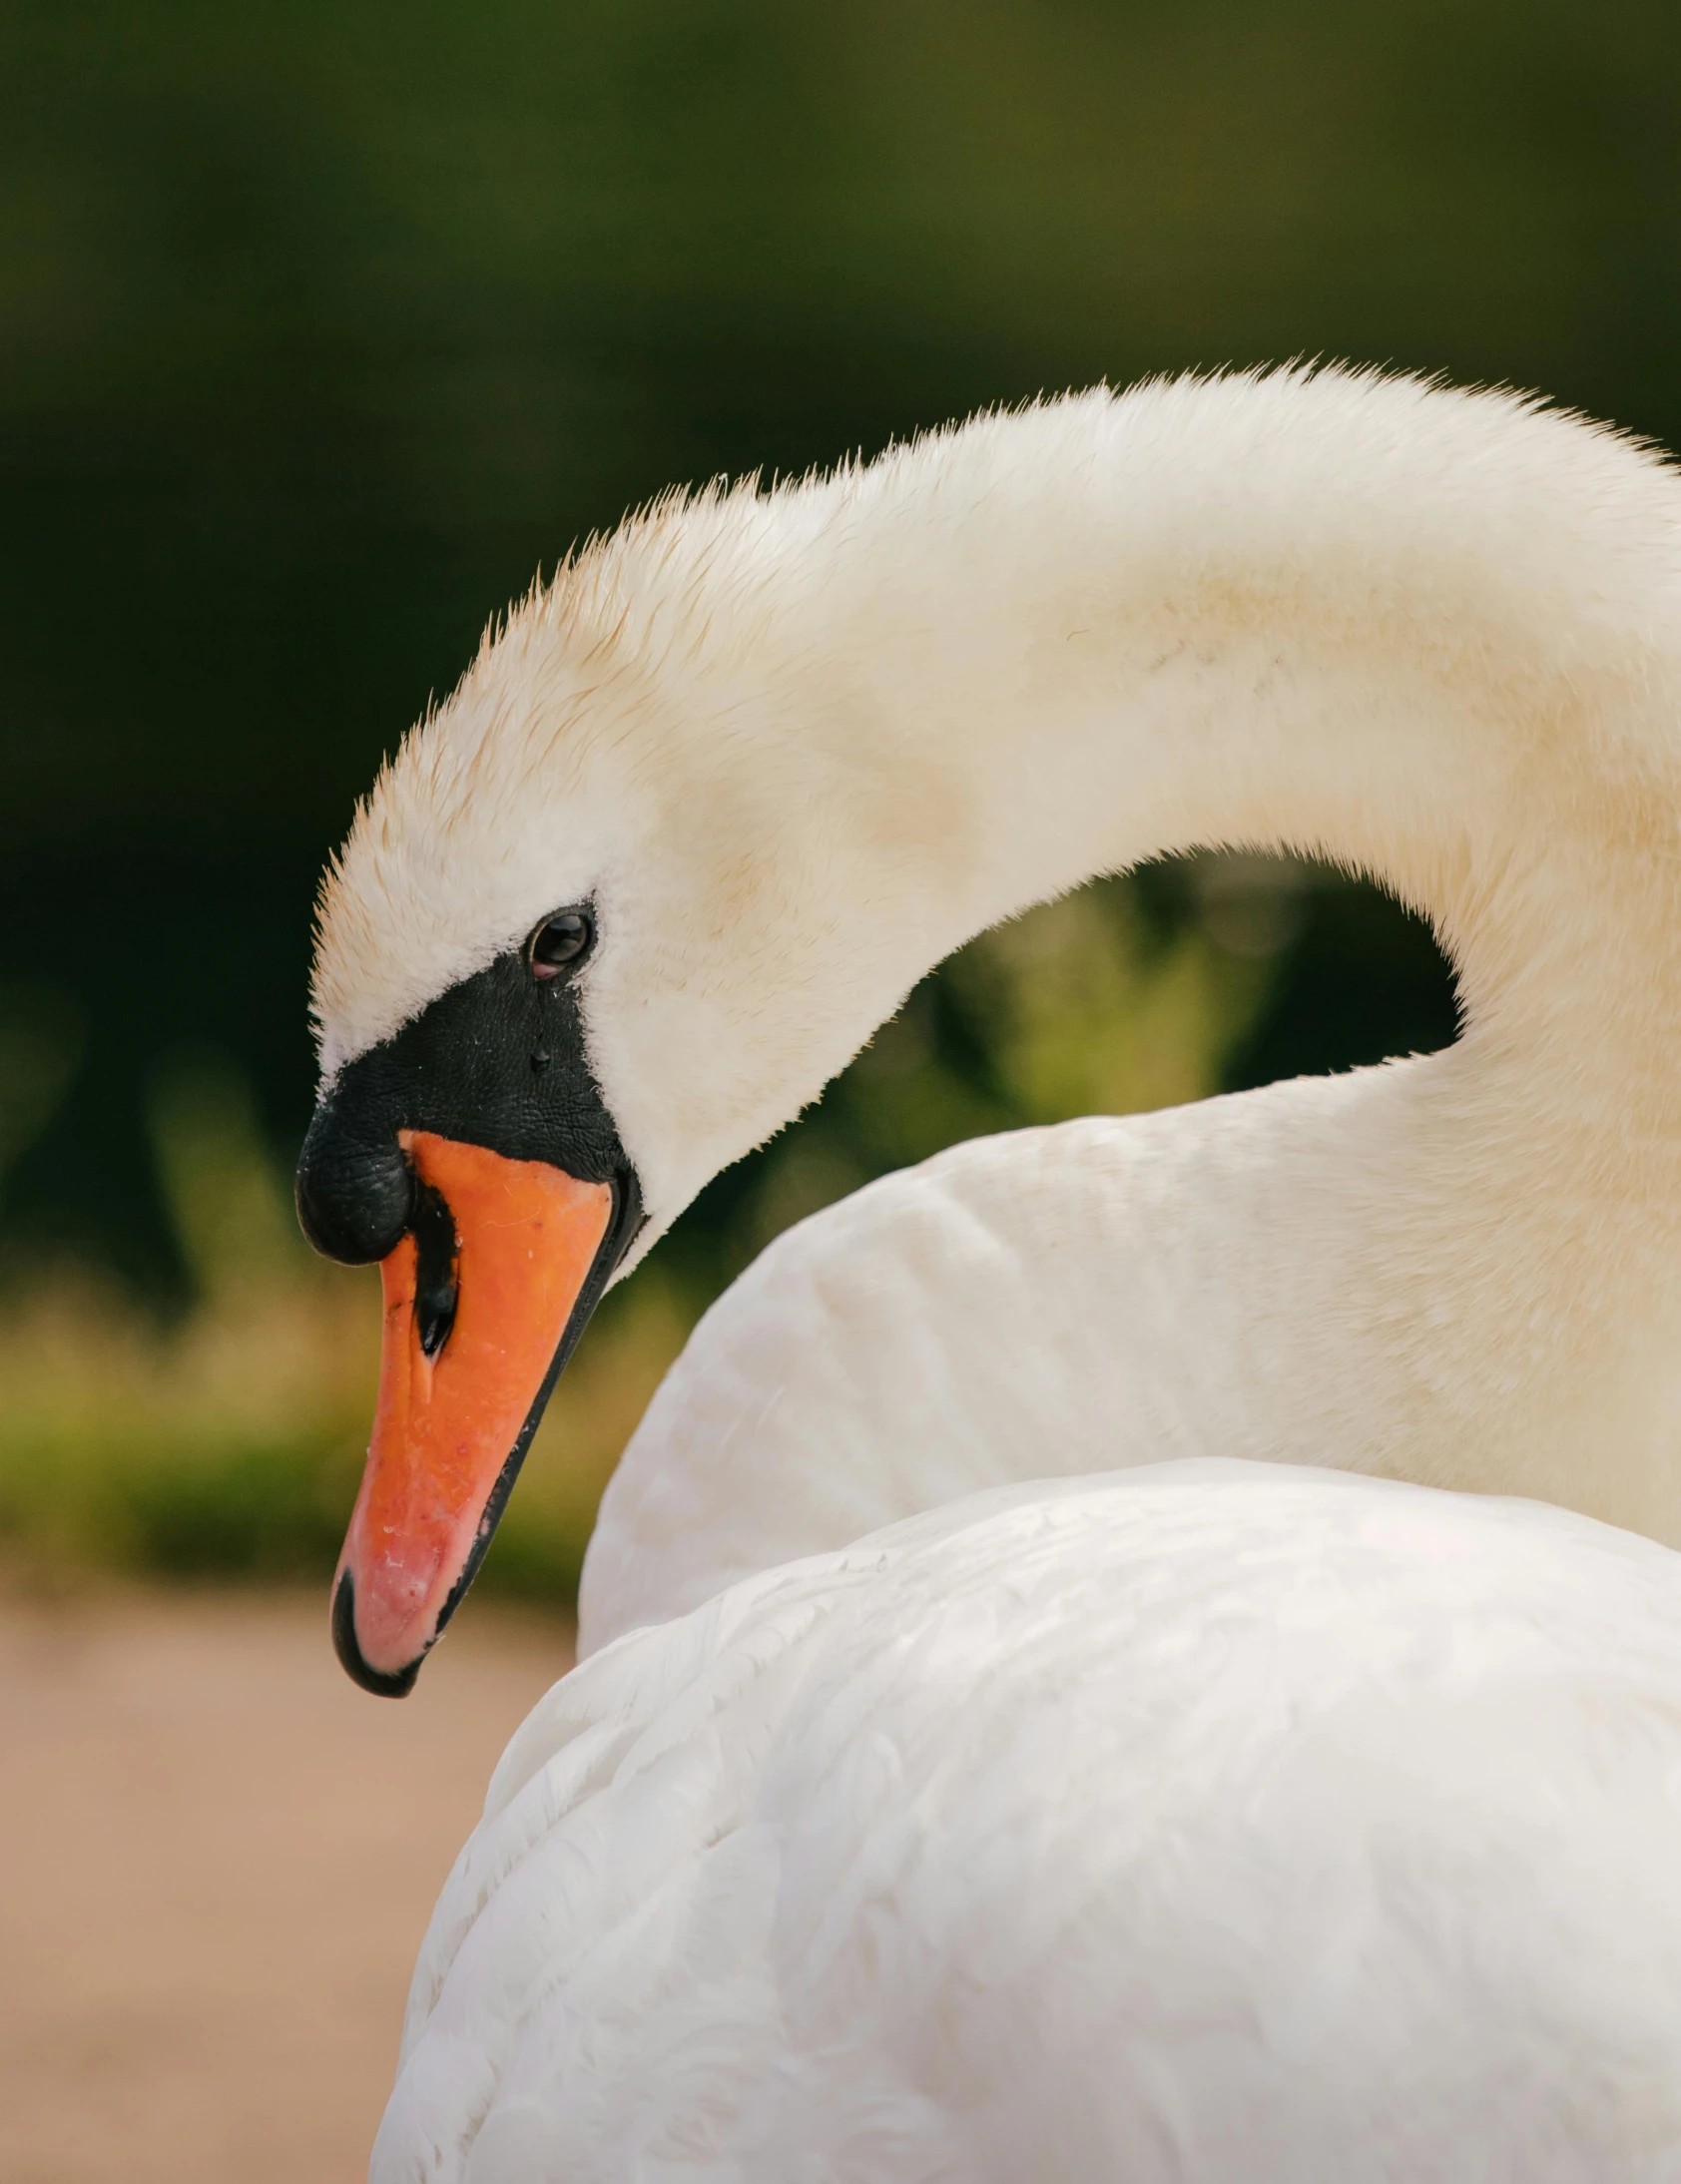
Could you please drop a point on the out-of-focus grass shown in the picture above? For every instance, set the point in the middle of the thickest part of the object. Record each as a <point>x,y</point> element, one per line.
<point>228,1442</point>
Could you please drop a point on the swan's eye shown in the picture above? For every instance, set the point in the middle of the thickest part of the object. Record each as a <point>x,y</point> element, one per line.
<point>559,941</point>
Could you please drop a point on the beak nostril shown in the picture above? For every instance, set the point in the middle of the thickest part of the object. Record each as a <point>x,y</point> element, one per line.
<point>437,1251</point>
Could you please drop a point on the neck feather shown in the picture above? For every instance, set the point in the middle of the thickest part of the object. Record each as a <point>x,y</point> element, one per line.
<point>1434,637</point>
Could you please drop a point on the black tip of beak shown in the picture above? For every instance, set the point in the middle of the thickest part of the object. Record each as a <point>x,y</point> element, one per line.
<point>350,1654</point>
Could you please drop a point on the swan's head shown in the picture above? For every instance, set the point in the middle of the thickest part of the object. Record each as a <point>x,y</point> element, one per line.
<point>596,932</point>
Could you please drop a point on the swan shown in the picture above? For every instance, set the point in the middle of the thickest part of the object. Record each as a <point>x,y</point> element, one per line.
<point>693,823</point>
<point>705,809</point>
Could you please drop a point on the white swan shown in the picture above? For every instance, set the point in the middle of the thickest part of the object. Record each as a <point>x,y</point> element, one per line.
<point>688,829</point>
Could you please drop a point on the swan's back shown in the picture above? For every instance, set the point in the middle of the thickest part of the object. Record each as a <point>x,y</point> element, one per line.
<point>1049,1301</point>
<point>1208,1822</point>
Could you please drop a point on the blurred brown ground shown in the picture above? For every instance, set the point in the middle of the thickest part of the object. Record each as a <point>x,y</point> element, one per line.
<point>216,1859</point>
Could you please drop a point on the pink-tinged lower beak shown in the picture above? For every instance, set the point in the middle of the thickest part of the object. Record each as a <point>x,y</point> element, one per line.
<point>473,1329</point>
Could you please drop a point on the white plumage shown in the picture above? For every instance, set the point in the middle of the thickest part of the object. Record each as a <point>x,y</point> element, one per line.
<point>1212,1822</point>
<point>1208,1820</point>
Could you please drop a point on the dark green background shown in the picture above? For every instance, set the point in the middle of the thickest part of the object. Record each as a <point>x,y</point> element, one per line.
<point>323,327</point>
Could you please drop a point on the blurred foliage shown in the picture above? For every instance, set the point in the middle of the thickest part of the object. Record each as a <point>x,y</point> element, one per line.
<point>322,327</point>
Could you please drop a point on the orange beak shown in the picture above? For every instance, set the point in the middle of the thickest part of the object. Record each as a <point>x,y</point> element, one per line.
<point>476,1317</point>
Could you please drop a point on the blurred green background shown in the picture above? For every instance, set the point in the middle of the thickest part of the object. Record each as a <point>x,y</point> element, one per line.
<point>322,329</point>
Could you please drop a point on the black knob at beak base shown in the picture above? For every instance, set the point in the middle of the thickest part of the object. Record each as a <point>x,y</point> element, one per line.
<point>355,1199</point>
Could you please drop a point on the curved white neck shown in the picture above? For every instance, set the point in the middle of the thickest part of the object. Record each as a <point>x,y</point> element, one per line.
<point>1433,637</point>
